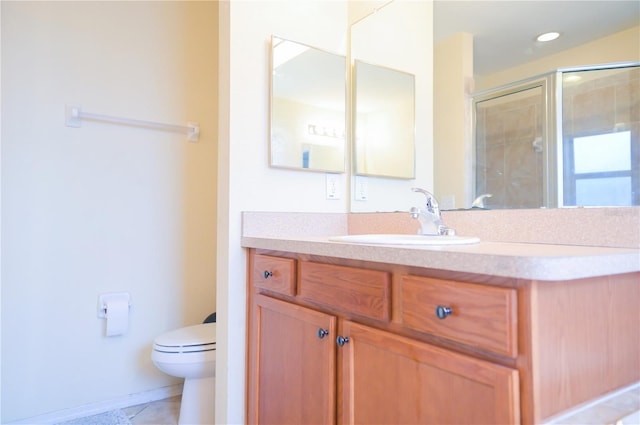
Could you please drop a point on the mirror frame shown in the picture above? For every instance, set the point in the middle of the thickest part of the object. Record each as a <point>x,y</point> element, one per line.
<point>408,140</point>
<point>313,130</point>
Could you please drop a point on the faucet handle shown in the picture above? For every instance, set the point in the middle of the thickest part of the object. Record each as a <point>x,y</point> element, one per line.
<point>421,190</point>
<point>431,203</point>
<point>430,220</point>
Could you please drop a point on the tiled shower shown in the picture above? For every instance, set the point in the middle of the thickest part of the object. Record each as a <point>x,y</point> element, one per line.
<point>567,138</point>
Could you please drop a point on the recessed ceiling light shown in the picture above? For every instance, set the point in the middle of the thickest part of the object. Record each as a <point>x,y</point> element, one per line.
<point>572,78</point>
<point>548,36</point>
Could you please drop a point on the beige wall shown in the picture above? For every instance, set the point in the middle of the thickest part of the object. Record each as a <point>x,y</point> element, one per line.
<point>103,207</point>
<point>395,122</point>
<point>452,86</point>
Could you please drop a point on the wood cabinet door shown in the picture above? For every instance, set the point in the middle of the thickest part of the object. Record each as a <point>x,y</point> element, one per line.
<point>292,364</point>
<point>388,379</point>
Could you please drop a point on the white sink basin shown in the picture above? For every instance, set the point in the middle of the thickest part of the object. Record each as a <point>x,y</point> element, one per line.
<point>399,239</point>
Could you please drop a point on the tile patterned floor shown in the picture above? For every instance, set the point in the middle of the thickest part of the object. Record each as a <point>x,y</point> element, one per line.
<point>622,409</point>
<point>161,412</point>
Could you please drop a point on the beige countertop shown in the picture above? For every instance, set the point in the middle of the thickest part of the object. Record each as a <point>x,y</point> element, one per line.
<point>532,245</point>
<point>529,244</point>
<point>515,260</point>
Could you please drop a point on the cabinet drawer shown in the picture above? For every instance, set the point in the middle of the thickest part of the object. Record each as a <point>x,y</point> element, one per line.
<point>475,315</point>
<point>358,291</point>
<point>274,274</point>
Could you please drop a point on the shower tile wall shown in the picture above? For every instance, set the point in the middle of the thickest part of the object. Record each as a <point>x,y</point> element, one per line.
<point>602,104</point>
<point>609,102</point>
<point>509,166</point>
<point>509,161</point>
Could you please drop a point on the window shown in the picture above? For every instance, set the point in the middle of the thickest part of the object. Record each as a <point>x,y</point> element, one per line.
<point>599,170</point>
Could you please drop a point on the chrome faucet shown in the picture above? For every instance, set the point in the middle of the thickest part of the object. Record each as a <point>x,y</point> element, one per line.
<point>430,217</point>
<point>479,201</point>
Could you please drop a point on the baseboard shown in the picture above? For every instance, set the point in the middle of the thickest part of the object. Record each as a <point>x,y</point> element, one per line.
<point>103,406</point>
<point>562,417</point>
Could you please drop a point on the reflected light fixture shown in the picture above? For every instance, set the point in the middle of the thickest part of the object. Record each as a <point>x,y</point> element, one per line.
<point>572,78</point>
<point>548,36</point>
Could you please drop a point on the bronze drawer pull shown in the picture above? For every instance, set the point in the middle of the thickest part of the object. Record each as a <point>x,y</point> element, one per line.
<point>442,312</point>
<point>322,333</point>
<point>267,274</point>
<point>342,340</point>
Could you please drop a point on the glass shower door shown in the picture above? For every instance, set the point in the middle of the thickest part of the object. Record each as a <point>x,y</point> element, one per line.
<point>601,137</point>
<point>567,138</point>
<point>510,147</point>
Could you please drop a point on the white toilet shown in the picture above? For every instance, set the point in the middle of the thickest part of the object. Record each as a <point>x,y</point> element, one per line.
<point>190,353</point>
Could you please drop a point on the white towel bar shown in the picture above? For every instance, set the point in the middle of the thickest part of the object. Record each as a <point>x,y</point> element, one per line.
<point>74,116</point>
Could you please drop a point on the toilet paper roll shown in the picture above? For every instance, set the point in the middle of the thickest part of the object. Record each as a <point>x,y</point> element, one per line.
<point>117,315</point>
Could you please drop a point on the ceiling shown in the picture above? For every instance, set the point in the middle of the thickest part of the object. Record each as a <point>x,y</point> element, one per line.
<point>505,31</point>
<point>504,36</point>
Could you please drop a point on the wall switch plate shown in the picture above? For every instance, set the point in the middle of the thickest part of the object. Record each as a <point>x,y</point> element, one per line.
<point>362,188</point>
<point>333,186</point>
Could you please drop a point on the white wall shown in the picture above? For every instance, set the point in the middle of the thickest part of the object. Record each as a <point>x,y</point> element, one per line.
<point>104,207</point>
<point>246,183</point>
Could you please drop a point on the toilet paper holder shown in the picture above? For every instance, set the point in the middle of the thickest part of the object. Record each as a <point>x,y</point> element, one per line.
<point>103,300</point>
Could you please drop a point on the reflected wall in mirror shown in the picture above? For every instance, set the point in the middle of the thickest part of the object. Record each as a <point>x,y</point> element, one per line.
<point>523,155</point>
<point>308,104</point>
<point>384,121</point>
<point>569,138</point>
<point>397,35</point>
<point>593,32</point>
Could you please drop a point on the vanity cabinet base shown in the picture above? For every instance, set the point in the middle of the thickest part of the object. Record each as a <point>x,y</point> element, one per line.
<point>583,341</point>
<point>389,379</point>
<point>293,364</point>
<point>538,348</point>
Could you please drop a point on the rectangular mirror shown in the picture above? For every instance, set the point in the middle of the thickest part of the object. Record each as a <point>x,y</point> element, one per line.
<point>308,98</point>
<point>478,46</point>
<point>384,103</point>
<point>395,37</point>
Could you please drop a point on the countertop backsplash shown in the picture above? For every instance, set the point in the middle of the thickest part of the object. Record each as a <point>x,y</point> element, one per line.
<point>616,227</point>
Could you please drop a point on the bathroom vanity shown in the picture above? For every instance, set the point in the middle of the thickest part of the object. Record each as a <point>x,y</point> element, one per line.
<point>500,333</point>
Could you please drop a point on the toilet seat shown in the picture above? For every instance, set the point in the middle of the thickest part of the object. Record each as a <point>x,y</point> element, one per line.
<point>191,339</point>
<point>190,353</point>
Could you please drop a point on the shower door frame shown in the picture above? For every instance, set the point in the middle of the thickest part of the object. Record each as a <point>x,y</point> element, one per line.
<point>551,170</point>
<point>552,137</point>
<point>558,76</point>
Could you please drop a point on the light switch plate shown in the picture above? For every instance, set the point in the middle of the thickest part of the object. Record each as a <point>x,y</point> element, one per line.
<point>333,186</point>
<point>362,188</point>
